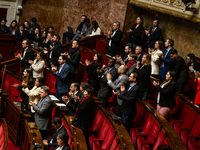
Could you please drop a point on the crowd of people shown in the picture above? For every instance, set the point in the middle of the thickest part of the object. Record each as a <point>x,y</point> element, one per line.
<point>127,78</point>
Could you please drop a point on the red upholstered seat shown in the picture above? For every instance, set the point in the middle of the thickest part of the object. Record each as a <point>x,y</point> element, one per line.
<point>111,101</point>
<point>47,77</point>
<point>191,89</point>
<point>194,144</point>
<point>101,47</point>
<point>159,141</point>
<point>105,61</point>
<point>7,84</point>
<point>167,141</point>
<point>97,123</point>
<point>2,137</point>
<point>151,138</point>
<point>114,144</point>
<point>141,119</point>
<point>138,115</point>
<point>14,92</point>
<point>52,85</point>
<point>193,133</point>
<point>137,132</point>
<point>187,123</point>
<point>81,76</point>
<point>101,134</point>
<point>68,131</point>
<point>86,55</point>
<point>11,146</point>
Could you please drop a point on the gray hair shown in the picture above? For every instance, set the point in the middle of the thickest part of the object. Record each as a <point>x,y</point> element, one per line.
<point>118,23</point>
<point>45,88</point>
<point>140,47</point>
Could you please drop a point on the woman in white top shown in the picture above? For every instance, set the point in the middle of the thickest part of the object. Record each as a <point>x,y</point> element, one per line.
<point>155,58</point>
<point>34,93</point>
<point>38,65</point>
<point>95,29</point>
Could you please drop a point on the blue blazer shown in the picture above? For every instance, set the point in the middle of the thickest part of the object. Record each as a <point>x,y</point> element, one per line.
<point>129,99</point>
<point>167,62</point>
<point>63,79</point>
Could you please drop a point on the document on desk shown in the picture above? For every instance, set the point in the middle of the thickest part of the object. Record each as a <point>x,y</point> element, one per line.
<point>53,98</point>
<point>61,104</point>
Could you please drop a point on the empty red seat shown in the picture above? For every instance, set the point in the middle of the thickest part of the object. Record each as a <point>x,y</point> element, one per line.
<point>68,131</point>
<point>137,132</point>
<point>97,123</point>
<point>7,83</point>
<point>159,141</point>
<point>47,77</point>
<point>14,92</point>
<point>105,61</point>
<point>187,123</point>
<point>191,89</point>
<point>111,101</point>
<point>86,55</point>
<point>193,133</point>
<point>2,138</point>
<point>101,47</point>
<point>194,144</point>
<point>114,144</point>
<point>52,85</point>
<point>81,76</point>
<point>148,139</point>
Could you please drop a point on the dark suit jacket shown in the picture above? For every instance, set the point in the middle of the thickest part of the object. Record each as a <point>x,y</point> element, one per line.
<point>154,37</point>
<point>20,37</point>
<point>63,79</point>
<point>179,66</point>
<point>136,34</point>
<point>57,49</point>
<point>129,99</point>
<point>196,66</point>
<point>73,61</point>
<point>167,95</point>
<point>6,30</point>
<point>144,74</point>
<point>66,147</point>
<point>28,56</point>
<point>116,39</point>
<point>139,58</point>
<point>105,91</point>
<point>84,113</point>
<point>54,137</point>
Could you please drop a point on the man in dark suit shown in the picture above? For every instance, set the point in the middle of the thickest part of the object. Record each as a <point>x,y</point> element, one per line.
<point>114,38</point>
<point>123,78</point>
<point>34,25</point>
<point>74,57</point>
<point>128,50</point>
<point>21,33</point>
<point>54,52</point>
<point>26,56</point>
<point>3,26</point>
<point>69,100</point>
<point>166,59</point>
<point>179,66</point>
<point>105,91</point>
<point>57,125</point>
<point>138,52</point>
<point>129,98</point>
<point>153,34</point>
<point>193,66</point>
<point>62,75</point>
<point>43,111</point>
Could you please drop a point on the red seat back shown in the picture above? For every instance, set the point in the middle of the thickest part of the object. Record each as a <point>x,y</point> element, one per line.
<point>101,47</point>
<point>190,118</point>
<point>148,125</point>
<point>160,140</point>
<point>2,137</point>
<point>114,144</point>
<point>108,139</point>
<point>153,133</point>
<point>87,55</point>
<point>14,92</point>
<point>98,121</point>
<point>8,82</point>
<point>104,130</point>
<point>191,89</point>
<point>52,85</point>
<point>105,61</point>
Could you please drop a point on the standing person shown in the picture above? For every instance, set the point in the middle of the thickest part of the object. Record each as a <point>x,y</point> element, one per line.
<point>73,59</point>
<point>166,94</point>
<point>54,52</point>
<point>136,32</point>
<point>197,80</point>
<point>114,38</point>
<point>155,58</point>
<point>153,35</point>
<point>144,71</point>
<point>179,66</point>
<point>27,55</point>
<point>26,82</point>
<point>105,91</point>
<point>34,93</point>
<point>93,79</point>
<point>62,75</point>
<point>43,111</point>
<point>13,27</point>
<point>3,26</point>
<point>38,65</point>
<point>21,33</point>
<point>129,99</point>
<point>166,59</point>
<point>78,30</point>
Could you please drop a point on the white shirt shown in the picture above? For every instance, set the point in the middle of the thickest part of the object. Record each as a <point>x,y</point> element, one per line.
<point>61,68</point>
<point>60,148</point>
<point>97,32</point>
<point>24,53</point>
<point>109,44</point>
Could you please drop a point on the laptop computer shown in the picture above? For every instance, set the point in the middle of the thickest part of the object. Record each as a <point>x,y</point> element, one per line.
<point>70,29</point>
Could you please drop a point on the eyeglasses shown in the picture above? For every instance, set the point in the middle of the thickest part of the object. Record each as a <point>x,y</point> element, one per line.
<point>23,43</point>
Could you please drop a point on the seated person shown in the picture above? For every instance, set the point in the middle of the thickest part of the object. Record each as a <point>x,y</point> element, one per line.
<point>131,63</point>
<point>95,29</point>
<point>13,27</point>
<point>69,100</point>
<point>27,27</point>
<point>51,29</point>
<point>21,33</point>
<point>62,139</point>
<point>46,42</point>
<point>87,29</point>
<point>36,36</point>
<point>78,30</point>
<point>193,66</point>
<point>3,26</point>
<point>57,125</point>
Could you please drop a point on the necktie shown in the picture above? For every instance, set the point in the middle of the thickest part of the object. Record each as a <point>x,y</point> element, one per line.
<point>152,31</point>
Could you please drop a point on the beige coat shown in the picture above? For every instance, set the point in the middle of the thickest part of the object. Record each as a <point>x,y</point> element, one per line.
<point>155,62</point>
<point>38,68</point>
<point>33,94</point>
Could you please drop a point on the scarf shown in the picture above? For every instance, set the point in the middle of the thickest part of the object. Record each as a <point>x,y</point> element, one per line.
<point>72,51</point>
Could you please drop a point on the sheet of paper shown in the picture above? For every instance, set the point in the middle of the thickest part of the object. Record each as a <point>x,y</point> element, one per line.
<point>60,104</point>
<point>54,98</point>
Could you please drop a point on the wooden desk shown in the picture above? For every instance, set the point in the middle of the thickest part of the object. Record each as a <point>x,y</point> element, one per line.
<point>34,129</point>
